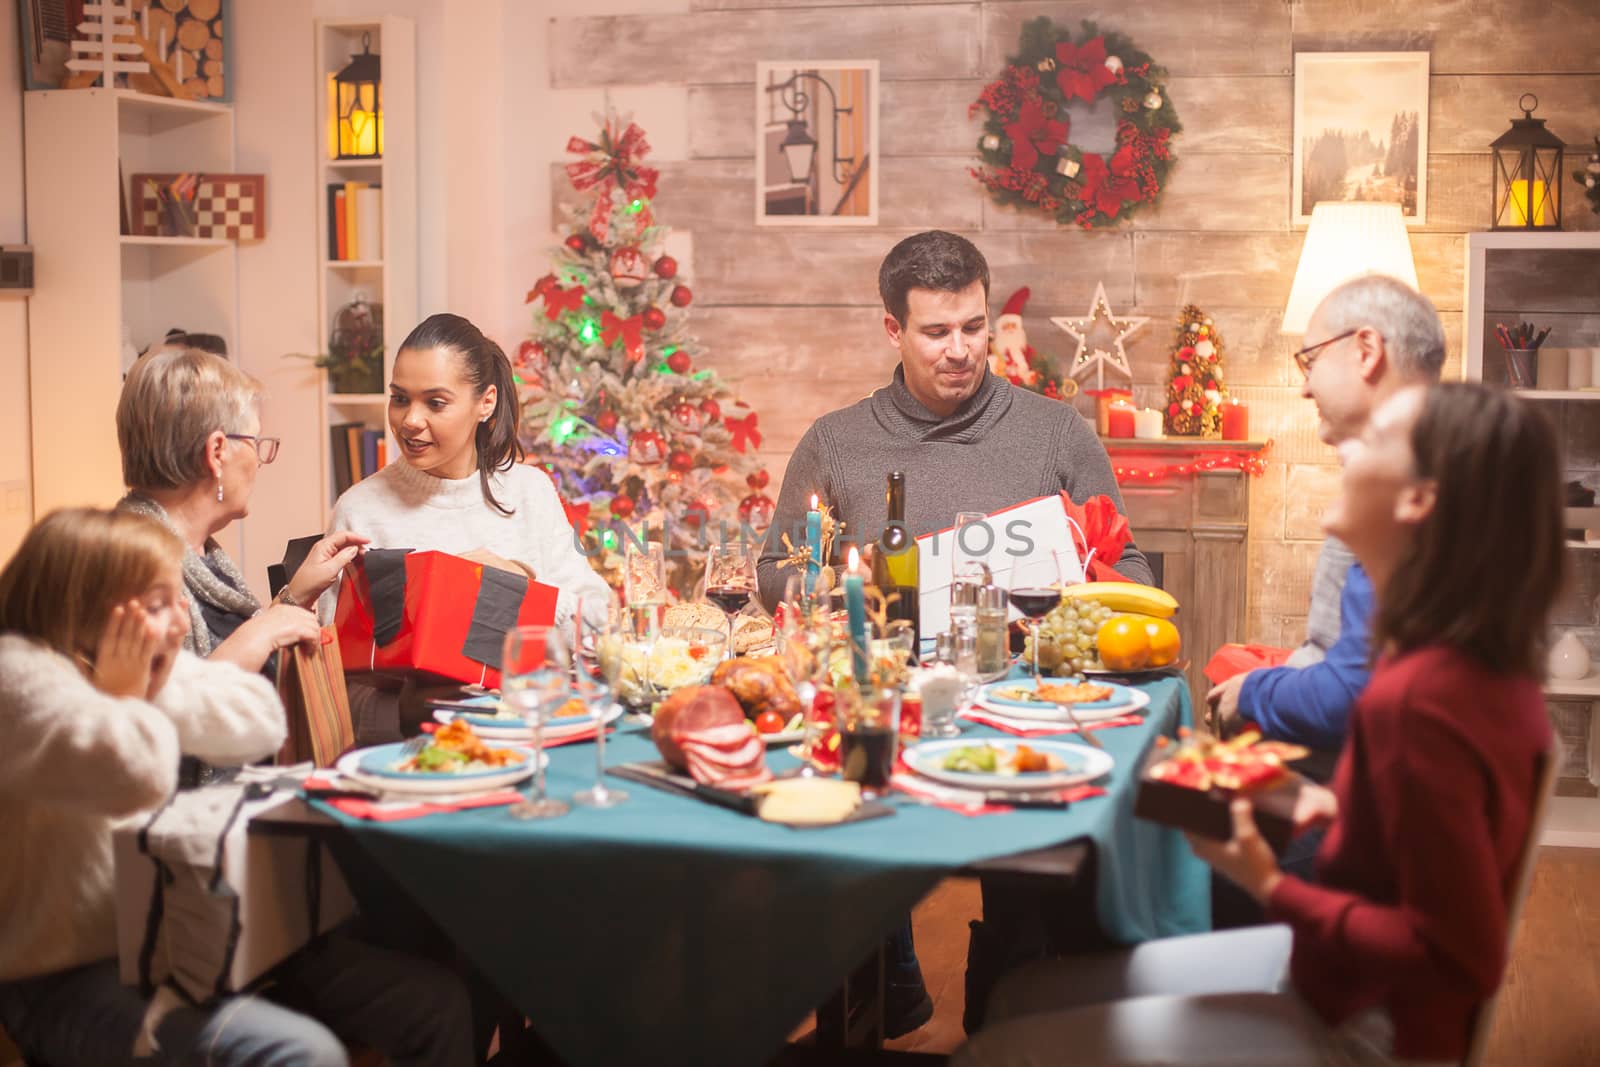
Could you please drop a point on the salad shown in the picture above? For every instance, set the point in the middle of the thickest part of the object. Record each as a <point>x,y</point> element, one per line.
<point>455,749</point>
<point>993,759</point>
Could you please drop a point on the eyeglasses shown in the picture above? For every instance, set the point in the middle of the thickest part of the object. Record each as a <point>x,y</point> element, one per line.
<point>1310,353</point>
<point>266,447</point>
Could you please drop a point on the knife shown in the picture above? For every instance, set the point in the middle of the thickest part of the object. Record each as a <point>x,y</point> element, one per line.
<point>1026,800</point>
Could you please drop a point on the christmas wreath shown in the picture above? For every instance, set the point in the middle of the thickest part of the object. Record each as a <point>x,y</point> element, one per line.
<point>1028,158</point>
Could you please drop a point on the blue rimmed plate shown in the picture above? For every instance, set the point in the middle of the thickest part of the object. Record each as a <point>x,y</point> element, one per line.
<point>374,767</point>
<point>1080,764</point>
<point>1011,698</point>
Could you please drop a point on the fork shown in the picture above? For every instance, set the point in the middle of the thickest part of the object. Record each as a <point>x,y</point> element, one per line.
<point>414,746</point>
<point>1083,731</point>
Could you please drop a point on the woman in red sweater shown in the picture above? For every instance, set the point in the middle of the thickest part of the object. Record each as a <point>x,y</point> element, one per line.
<point>1451,501</point>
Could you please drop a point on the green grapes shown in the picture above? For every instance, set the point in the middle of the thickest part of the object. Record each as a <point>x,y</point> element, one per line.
<point>1067,638</point>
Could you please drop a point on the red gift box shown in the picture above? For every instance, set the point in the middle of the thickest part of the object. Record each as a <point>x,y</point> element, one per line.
<point>434,612</point>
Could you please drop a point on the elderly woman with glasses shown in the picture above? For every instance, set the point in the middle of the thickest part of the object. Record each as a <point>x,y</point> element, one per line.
<point>189,425</point>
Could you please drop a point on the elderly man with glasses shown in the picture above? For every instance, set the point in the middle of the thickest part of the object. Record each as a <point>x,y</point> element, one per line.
<point>1368,339</point>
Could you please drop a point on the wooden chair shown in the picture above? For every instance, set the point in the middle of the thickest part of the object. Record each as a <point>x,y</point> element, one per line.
<point>1521,882</point>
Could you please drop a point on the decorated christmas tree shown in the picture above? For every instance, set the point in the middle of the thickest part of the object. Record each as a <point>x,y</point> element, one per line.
<point>1194,377</point>
<point>614,407</point>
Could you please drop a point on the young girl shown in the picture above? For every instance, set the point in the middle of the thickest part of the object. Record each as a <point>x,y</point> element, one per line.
<point>1451,501</point>
<point>459,488</point>
<point>98,699</point>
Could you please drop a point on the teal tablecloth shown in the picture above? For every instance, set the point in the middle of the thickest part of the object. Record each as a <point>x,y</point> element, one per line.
<point>667,930</point>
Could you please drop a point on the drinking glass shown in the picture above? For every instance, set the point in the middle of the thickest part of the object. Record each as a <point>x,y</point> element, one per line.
<point>969,551</point>
<point>803,648</point>
<point>869,728</point>
<point>535,676</point>
<point>644,574</point>
<point>730,579</point>
<point>596,695</point>
<point>943,697</point>
<point>1035,591</point>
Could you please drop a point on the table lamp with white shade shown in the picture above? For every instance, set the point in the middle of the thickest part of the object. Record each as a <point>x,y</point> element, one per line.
<point>1344,241</point>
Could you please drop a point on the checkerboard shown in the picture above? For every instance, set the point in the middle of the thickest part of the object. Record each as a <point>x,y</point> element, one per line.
<point>231,206</point>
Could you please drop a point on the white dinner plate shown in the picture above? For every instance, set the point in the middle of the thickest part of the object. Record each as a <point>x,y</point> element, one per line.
<point>1083,764</point>
<point>1123,700</point>
<point>515,730</point>
<point>349,766</point>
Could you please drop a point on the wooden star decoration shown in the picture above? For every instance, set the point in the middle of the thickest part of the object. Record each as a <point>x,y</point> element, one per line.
<point>1096,330</point>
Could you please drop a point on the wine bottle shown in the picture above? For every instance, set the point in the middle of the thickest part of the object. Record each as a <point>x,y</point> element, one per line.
<point>896,564</point>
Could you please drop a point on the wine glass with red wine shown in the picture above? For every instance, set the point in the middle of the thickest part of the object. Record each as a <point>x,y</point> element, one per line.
<point>730,578</point>
<point>1035,591</point>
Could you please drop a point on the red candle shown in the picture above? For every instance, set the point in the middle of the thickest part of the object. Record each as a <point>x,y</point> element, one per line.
<point>1119,419</point>
<point>1235,420</point>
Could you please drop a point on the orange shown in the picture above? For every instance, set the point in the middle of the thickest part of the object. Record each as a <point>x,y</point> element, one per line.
<point>1165,644</point>
<point>1123,643</point>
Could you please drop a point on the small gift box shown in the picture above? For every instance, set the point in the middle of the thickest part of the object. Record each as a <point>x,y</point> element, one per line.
<point>1191,785</point>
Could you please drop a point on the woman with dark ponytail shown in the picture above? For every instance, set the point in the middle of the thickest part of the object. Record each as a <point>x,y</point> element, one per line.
<point>459,485</point>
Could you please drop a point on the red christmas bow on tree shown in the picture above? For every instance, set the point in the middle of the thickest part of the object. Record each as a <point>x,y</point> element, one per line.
<point>1081,69</point>
<point>628,329</point>
<point>614,161</point>
<point>1105,533</point>
<point>540,288</point>
<point>557,300</point>
<point>744,431</point>
<point>1032,134</point>
<point>577,516</point>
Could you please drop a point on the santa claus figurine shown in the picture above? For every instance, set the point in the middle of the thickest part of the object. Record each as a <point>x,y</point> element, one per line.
<point>1010,355</point>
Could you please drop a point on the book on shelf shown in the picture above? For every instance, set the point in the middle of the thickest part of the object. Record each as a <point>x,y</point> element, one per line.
<point>370,440</point>
<point>352,219</point>
<point>339,451</point>
<point>369,224</point>
<point>336,222</point>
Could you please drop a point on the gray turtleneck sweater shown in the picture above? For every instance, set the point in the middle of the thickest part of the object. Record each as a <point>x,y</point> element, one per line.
<point>1003,446</point>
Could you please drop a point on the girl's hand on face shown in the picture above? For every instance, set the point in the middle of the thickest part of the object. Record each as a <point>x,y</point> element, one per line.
<point>128,647</point>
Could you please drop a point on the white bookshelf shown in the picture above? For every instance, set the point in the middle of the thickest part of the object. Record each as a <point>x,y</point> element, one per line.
<point>392,280</point>
<point>90,279</point>
<point>1573,821</point>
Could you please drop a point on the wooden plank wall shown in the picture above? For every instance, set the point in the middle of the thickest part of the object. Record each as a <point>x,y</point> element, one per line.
<point>791,317</point>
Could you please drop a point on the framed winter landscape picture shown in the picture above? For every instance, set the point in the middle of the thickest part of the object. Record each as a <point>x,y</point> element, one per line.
<point>1361,130</point>
<point>817,142</point>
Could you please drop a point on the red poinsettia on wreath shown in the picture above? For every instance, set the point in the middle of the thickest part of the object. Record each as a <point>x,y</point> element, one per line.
<point>1029,161</point>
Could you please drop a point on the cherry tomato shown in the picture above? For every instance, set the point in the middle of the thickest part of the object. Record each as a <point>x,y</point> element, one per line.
<point>769,722</point>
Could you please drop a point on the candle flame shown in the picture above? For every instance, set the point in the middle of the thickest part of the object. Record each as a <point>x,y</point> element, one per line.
<point>855,558</point>
<point>813,502</point>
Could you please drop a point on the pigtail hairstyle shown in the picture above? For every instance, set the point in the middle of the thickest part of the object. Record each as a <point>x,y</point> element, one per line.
<point>483,363</point>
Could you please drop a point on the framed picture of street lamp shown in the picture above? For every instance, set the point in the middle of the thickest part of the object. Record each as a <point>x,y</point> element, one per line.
<point>1361,130</point>
<point>817,142</point>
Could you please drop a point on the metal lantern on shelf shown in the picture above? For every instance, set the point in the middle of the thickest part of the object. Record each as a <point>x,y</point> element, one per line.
<point>359,87</point>
<point>1527,174</point>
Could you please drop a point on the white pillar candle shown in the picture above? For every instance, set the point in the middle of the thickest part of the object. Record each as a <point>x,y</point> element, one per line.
<point>1594,367</point>
<point>1550,369</point>
<point>1147,423</point>
<point>1580,374</point>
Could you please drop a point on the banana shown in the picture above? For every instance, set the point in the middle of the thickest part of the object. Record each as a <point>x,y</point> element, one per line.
<point>1126,596</point>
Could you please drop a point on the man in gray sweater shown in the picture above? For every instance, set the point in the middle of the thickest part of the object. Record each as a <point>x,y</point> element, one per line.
<point>966,439</point>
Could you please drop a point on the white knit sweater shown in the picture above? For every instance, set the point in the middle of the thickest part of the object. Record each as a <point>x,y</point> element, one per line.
<point>73,762</point>
<point>402,507</point>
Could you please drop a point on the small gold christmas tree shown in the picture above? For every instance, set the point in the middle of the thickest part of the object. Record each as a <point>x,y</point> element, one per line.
<point>1194,377</point>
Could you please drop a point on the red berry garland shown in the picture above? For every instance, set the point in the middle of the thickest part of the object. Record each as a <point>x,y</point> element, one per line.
<point>1029,160</point>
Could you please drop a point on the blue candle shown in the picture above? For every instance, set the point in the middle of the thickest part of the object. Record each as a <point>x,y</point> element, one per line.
<point>855,603</point>
<point>814,542</point>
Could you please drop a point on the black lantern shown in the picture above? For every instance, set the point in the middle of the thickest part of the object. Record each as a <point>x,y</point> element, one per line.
<point>1527,173</point>
<point>799,145</point>
<point>360,105</point>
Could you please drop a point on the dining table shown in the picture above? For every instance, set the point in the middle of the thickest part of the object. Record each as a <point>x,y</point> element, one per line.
<point>668,930</point>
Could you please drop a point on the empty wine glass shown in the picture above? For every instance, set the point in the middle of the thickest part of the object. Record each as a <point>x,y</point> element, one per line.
<point>596,695</point>
<point>1035,591</point>
<point>730,578</point>
<point>803,648</point>
<point>644,574</point>
<point>535,676</point>
<point>969,550</point>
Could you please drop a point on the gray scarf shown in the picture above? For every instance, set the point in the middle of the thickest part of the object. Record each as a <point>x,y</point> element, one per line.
<point>200,578</point>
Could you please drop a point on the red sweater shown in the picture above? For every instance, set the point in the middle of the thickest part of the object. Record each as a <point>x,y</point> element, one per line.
<point>1436,787</point>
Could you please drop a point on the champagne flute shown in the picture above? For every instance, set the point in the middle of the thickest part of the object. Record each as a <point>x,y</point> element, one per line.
<point>535,672</point>
<point>644,575</point>
<point>730,579</point>
<point>1035,591</point>
<point>803,650</point>
<point>968,551</point>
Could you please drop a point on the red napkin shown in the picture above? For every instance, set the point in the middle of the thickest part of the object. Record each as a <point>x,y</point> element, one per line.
<point>968,801</point>
<point>389,811</point>
<point>1236,659</point>
<point>1005,726</point>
